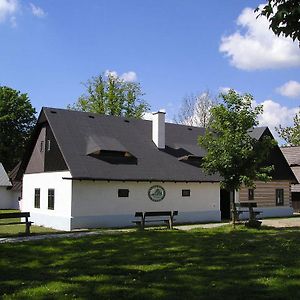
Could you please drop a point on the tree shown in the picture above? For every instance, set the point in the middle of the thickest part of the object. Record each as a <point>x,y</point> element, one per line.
<point>195,110</point>
<point>284,17</point>
<point>17,119</point>
<point>231,151</point>
<point>291,134</point>
<point>111,95</point>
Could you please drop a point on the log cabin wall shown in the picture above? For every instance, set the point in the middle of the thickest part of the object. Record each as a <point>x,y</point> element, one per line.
<point>265,193</point>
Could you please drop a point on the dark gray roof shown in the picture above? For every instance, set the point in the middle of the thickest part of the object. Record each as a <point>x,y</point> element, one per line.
<point>80,135</point>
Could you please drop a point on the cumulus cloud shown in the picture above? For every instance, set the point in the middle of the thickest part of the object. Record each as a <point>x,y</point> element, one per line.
<point>290,89</point>
<point>127,76</point>
<point>275,114</point>
<point>8,10</point>
<point>254,46</point>
<point>37,11</point>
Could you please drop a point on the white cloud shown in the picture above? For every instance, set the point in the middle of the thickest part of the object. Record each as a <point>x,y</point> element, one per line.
<point>255,46</point>
<point>127,76</point>
<point>290,89</point>
<point>224,89</point>
<point>37,11</point>
<point>275,114</point>
<point>8,10</point>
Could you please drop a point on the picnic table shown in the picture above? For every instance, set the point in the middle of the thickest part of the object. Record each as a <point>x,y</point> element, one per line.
<point>248,206</point>
<point>167,217</point>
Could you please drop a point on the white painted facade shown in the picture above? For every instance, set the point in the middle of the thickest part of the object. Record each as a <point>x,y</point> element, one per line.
<point>98,204</point>
<point>87,204</point>
<point>58,218</point>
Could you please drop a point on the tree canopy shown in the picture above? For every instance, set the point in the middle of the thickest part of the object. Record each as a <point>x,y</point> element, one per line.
<point>284,17</point>
<point>231,151</point>
<point>195,110</point>
<point>17,119</point>
<point>111,95</point>
<point>291,134</point>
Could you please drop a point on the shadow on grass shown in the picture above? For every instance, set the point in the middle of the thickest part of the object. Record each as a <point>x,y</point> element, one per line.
<point>201,264</point>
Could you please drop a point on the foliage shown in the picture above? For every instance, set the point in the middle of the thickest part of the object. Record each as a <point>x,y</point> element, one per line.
<point>291,134</point>
<point>111,95</point>
<point>17,119</point>
<point>195,110</point>
<point>195,265</point>
<point>231,151</point>
<point>284,17</point>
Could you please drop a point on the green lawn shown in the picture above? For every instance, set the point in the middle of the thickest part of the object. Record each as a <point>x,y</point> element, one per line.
<point>217,263</point>
<point>19,230</point>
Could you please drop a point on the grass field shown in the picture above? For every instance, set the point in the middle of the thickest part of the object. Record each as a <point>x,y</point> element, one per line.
<point>217,263</point>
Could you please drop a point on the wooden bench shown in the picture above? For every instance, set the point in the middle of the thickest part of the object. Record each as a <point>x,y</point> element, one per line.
<point>25,215</point>
<point>253,214</point>
<point>166,217</point>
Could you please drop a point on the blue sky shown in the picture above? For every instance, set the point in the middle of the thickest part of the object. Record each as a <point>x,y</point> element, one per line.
<point>172,47</point>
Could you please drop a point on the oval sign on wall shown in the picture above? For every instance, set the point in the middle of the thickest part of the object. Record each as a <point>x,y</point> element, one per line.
<point>156,193</point>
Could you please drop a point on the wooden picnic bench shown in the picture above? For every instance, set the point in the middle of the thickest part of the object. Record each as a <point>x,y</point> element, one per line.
<point>15,215</point>
<point>167,217</point>
<point>247,207</point>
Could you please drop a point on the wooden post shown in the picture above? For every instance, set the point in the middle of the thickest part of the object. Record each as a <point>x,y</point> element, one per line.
<point>27,226</point>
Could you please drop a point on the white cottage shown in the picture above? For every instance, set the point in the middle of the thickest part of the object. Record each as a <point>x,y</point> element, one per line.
<point>8,196</point>
<point>88,170</point>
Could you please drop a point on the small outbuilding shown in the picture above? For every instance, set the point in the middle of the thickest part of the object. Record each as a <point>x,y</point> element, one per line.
<point>8,197</point>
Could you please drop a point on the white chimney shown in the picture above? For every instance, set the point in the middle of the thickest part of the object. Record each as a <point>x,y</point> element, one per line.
<point>158,129</point>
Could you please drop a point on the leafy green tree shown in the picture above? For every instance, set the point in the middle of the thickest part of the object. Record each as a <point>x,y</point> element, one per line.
<point>111,95</point>
<point>17,119</point>
<point>231,151</point>
<point>284,17</point>
<point>291,134</point>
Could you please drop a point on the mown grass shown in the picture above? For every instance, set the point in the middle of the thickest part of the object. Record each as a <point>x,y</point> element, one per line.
<point>219,263</point>
<point>19,230</point>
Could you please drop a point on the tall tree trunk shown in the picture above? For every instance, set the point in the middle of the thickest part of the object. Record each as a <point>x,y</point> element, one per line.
<point>233,208</point>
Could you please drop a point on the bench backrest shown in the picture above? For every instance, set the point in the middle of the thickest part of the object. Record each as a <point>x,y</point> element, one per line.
<point>160,213</point>
<point>15,215</point>
<point>138,214</point>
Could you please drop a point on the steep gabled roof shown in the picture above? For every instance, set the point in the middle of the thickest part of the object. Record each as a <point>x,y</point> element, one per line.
<point>77,133</point>
<point>101,147</point>
<point>292,155</point>
<point>16,184</point>
<point>4,180</point>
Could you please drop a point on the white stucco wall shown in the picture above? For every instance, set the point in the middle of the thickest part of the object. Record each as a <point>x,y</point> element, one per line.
<point>58,218</point>
<point>97,203</point>
<point>8,198</point>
